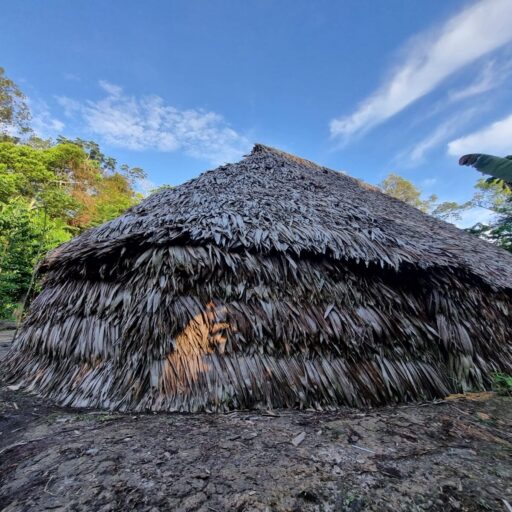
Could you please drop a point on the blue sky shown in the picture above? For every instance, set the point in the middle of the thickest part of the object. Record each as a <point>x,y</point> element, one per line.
<point>363,86</point>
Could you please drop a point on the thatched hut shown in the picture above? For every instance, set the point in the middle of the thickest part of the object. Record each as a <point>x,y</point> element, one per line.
<point>272,282</point>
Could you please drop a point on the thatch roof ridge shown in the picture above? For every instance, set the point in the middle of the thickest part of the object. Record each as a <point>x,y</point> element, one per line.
<point>272,201</point>
<point>262,149</point>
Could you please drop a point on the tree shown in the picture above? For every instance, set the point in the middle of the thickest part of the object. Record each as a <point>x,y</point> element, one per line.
<point>14,112</point>
<point>102,189</point>
<point>403,189</point>
<point>494,194</point>
<point>400,188</point>
<point>107,163</point>
<point>47,195</point>
<point>26,233</point>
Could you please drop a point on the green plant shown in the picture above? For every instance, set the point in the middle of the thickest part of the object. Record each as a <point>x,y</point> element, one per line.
<point>502,383</point>
<point>495,166</point>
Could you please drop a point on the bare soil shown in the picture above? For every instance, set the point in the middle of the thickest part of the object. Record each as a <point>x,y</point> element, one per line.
<point>451,455</point>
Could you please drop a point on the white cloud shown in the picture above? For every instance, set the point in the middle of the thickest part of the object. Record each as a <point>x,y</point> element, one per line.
<point>71,107</point>
<point>471,34</point>
<point>429,182</point>
<point>416,155</point>
<point>145,186</point>
<point>489,78</point>
<point>112,89</point>
<point>440,134</point>
<point>469,218</point>
<point>43,123</point>
<point>494,138</point>
<point>71,77</point>
<point>147,122</point>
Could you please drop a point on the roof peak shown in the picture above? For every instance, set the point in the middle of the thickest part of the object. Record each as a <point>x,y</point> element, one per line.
<point>259,149</point>
<point>262,148</point>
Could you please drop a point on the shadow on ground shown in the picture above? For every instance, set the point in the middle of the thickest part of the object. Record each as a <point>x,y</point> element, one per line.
<point>452,455</point>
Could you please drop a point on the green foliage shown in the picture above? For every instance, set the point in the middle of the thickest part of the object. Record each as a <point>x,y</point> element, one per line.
<point>494,195</point>
<point>502,384</point>
<point>495,166</point>
<point>161,188</point>
<point>47,195</point>
<point>400,188</point>
<point>14,112</point>
<point>114,197</point>
<point>25,234</point>
<point>449,210</point>
<point>404,190</point>
<point>60,184</point>
<point>107,163</point>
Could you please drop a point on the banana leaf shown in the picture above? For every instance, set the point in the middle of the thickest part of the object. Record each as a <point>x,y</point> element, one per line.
<point>495,166</point>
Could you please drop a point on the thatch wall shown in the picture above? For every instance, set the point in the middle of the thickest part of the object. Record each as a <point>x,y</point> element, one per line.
<point>268,283</point>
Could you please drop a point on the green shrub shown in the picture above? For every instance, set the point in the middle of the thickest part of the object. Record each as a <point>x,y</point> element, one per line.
<point>502,384</point>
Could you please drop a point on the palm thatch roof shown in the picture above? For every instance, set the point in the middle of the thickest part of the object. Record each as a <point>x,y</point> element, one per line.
<point>272,282</point>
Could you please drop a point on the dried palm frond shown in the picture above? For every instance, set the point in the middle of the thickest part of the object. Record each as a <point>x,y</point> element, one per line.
<point>272,282</point>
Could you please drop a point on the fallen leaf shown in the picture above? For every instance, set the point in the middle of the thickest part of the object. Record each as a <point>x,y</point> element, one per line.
<point>298,439</point>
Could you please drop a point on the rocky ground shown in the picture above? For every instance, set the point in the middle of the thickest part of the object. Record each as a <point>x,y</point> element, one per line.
<point>452,455</point>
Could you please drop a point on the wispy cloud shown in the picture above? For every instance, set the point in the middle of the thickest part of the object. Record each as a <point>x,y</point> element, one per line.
<point>494,138</point>
<point>440,134</point>
<point>145,186</point>
<point>416,155</point>
<point>490,77</point>
<point>469,218</point>
<point>71,77</point>
<point>43,122</point>
<point>429,182</point>
<point>469,35</point>
<point>148,122</point>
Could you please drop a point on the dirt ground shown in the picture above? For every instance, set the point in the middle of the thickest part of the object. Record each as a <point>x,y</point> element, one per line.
<point>452,455</point>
